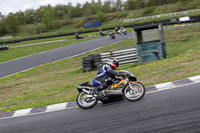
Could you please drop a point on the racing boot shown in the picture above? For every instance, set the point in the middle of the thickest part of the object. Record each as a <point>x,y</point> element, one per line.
<point>98,89</point>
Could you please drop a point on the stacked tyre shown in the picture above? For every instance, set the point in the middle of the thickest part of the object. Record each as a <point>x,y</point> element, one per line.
<point>92,62</point>
<point>97,61</point>
<point>87,64</point>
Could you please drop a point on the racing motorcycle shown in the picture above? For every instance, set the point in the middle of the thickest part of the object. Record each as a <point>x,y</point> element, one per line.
<point>123,31</point>
<point>111,34</point>
<point>128,87</point>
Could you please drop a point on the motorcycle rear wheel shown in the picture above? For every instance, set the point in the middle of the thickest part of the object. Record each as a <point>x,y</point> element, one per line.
<point>134,92</point>
<point>86,101</point>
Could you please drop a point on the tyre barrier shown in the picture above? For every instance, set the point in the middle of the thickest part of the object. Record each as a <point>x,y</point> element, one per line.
<point>92,62</point>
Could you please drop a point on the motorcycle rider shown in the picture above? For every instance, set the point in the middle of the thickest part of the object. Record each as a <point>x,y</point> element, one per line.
<point>102,33</point>
<point>123,30</point>
<point>101,80</point>
<point>78,36</point>
<point>117,30</point>
<point>111,34</point>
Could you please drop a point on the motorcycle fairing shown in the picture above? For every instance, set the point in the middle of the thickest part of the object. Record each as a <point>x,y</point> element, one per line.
<point>116,87</point>
<point>85,85</point>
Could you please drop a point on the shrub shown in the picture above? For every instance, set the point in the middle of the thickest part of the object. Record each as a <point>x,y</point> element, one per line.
<point>56,24</point>
<point>120,14</point>
<point>26,29</point>
<point>89,18</point>
<point>183,6</point>
<point>40,28</point>
<point>79,24</point>
<point>101,16</point>
<point>148,10</point>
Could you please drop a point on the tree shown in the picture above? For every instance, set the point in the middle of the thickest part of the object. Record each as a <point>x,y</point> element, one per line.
<point>1,16</point>
<point>11,24</point>
<point>20,18</point>
<point>87,12</point>
<point>38,15</point>
<point>139,4</point>
<point>107,7</point>
<point>3,29</point>
<point>99,3</point>
<point>29,16</point>
<point>60,11</point>
<point>99,6</point>
<point>77,11</point>
<point>69,11</point>
<point>130,5</point>
<point>119,5</point>
<point>95,7</point>
<point>47,15</point>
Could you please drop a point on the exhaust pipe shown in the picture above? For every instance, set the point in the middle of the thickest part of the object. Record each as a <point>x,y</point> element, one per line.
<point>86,91</point>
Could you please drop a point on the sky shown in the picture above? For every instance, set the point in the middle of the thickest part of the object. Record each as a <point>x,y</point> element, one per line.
<point>7,6</point>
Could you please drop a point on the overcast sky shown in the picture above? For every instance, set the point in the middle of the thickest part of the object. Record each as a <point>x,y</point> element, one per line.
<point>7,6</point>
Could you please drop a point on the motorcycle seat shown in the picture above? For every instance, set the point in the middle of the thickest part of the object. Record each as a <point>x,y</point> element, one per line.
<point>86,85</point>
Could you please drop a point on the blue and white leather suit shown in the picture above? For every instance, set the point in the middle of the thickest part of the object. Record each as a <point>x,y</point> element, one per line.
<point>104,73</point>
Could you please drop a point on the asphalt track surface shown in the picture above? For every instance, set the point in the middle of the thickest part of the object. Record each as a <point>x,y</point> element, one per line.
<point>24,63</point>
<point>170,111</point>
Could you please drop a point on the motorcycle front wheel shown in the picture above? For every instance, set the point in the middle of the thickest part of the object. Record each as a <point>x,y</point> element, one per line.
<point>134,92</point>
<point>86,101</point>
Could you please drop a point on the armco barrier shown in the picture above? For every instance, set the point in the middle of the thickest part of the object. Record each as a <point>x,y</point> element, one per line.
<point>124,56</point>
<point>161,15</point>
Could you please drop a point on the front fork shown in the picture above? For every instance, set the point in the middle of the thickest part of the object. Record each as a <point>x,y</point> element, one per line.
<point>132,90</point>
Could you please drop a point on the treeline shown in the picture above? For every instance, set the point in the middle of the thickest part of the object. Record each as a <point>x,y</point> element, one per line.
<point>46,17</point>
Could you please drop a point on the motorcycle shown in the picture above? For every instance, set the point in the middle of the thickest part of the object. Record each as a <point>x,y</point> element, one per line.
<point>128,87</point>
<point>4,47</point>
<point>78,36</point>
<point>123,31</point>
<point>111,34</point>
<point>102,33</point>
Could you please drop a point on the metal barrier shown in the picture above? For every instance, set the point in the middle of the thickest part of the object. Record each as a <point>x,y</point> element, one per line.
<point>124,56</point>
<point>161,15</point>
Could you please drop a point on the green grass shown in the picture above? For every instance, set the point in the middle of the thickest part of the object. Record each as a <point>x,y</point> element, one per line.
<point>56,82</point>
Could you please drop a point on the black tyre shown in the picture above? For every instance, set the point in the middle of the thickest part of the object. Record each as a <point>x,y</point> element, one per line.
<point>86,101</point>
<point>134,92</point>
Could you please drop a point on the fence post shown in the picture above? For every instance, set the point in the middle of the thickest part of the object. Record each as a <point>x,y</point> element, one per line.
<point>111,54</point>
